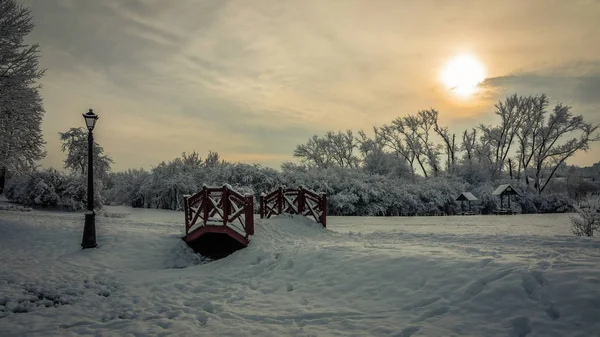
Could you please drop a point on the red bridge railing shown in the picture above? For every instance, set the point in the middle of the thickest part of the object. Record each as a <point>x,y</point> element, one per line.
<point>218,210</point>
<point>300,201</point>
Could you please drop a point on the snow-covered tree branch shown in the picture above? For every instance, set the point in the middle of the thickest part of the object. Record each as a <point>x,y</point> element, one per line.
<point>21,109</point>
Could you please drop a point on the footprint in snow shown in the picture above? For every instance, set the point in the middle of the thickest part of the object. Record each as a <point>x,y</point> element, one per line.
<point>477,286</point>
<point>422,303</point>
<point>439,311</point>
<point>534,284</point>
<point>521,327</point>
<point>408,331</point>
<point>483,263</point>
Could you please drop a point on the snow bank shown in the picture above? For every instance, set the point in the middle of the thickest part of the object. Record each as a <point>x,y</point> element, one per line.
<point>295,278</point>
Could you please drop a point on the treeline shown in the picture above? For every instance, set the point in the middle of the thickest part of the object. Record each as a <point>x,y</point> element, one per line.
<point>530,144</point>
<point>412,166</point>
<point>351,191</point>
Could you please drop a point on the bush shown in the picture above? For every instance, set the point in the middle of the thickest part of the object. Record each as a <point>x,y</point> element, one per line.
<point>553,203</point>
<point>588,220</point>
<point>52,189</point>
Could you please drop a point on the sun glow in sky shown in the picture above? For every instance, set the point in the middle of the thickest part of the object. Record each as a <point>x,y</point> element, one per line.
<point>462,74</point>
<point>253,79</point>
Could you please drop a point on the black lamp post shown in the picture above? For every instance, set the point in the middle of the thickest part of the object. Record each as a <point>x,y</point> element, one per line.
<point>89,229</point>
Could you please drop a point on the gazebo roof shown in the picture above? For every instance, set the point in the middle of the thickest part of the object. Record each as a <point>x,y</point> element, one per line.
<point>505,189</point>
<point>466,196</point>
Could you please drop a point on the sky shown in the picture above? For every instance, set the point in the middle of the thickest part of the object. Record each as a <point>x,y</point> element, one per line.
<point>253,79</point>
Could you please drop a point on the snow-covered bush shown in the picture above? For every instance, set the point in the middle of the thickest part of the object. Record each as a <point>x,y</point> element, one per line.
<point>16,208</point>
<point>52,189</point>
<point>553,203</point>
<point>588,219</point>
<point>342,203</point>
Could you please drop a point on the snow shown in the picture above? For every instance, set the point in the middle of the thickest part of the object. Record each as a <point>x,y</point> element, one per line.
<point>420,276</point>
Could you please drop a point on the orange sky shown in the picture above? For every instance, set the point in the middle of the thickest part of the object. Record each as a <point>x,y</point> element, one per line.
<point>251,80</point>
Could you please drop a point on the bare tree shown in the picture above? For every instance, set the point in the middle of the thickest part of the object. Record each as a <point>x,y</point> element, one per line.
<point>314,152</point>
<point>469,141</point>
<point>342,146</point>
<point>448,139</point>
<point>425,121</point>
<point>554,145</point>
<point>375,159</point>
<point>533,110</point>
<point>334,149</point>
<point>401,142</point>
<point>213,159</point>
<point>500,138</point>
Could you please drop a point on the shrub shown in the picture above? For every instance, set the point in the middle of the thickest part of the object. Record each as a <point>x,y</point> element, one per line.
<point>52,189</point>
<point>588,219</point>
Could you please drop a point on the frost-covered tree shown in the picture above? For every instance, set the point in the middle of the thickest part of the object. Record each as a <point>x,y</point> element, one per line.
<point>410,137</point>
<point>548,139</point>
<point>448,139</point>
<point>331,150</point>
<point>21,110</point>
<point>424,122</point>
<point>375,158</point>
<point>75,144</point>
<point>498,139</point>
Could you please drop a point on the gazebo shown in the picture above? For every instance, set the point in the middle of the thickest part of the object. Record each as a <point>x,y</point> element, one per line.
<point>468,197</point>
<point>502,191</point>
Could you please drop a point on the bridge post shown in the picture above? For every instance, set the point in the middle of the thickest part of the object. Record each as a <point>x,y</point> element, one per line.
<point>301,200</point>
<point>249,213</point>
<point>187,213</point>
<point>205,205</point>
<point>324,210</point>
<point>262,206</point>
<point>225,201</point>
<point>280,200</point>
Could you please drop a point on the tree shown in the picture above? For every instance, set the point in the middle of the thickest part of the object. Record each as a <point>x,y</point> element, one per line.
<point>21,110</point>
<point>409,136</point>
<point>398,140</point>
<point>469,141</point>
<point>534,110</point>
<point>376,160</point>
<point>331,150</point>
<point>551,149</point>
<point>75,143</point>
<point>500,138</point>
<point>449,140</point>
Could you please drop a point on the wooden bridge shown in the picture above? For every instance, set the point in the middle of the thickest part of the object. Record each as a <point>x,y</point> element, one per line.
<point>220,221</point>
<point>295,201</point>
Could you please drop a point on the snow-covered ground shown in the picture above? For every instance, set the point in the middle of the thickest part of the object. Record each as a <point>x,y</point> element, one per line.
<point>430,276</point>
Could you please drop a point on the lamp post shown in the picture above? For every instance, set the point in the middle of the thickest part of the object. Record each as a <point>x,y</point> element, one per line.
<point>89,229</point>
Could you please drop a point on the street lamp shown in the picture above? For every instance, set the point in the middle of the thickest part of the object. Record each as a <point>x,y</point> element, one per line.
<point>89,229</point>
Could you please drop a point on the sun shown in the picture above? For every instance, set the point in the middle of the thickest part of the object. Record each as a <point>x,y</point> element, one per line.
<point>462,74</point>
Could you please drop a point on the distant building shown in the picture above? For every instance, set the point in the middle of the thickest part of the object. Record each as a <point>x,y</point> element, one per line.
<point>468,197</point>
<point>505,190</point>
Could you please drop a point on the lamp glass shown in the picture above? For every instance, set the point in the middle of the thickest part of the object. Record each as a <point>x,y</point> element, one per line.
<point>90,119</point>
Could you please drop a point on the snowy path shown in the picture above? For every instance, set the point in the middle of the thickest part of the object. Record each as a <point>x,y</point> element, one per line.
<point>298,279</point>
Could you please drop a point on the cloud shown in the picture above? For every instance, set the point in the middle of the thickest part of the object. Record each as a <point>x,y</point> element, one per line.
<point>257,78</point>
<point>576,84</point>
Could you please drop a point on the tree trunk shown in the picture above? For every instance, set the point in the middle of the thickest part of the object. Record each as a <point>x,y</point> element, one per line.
<point>2,178</point>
